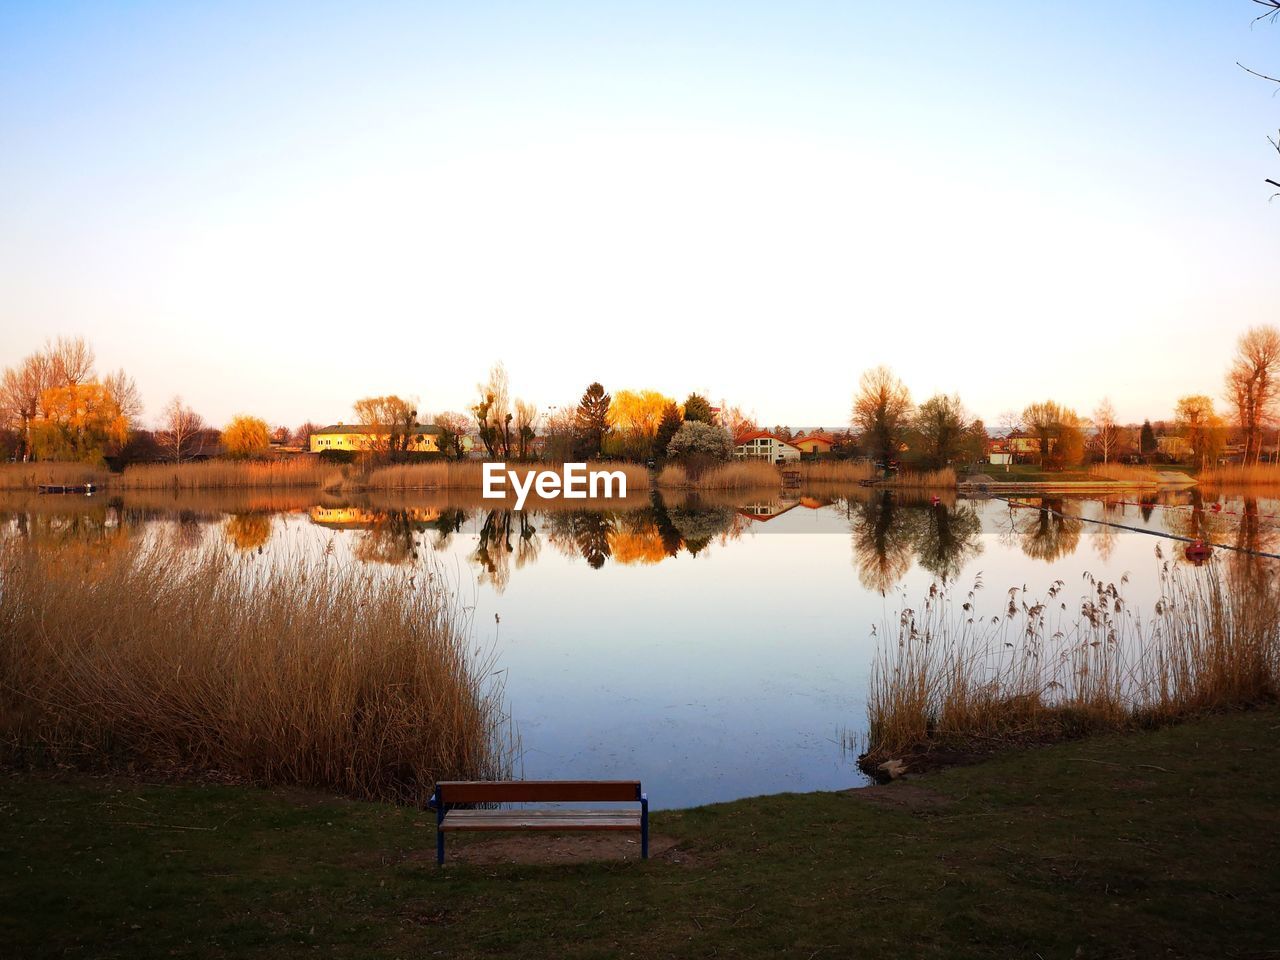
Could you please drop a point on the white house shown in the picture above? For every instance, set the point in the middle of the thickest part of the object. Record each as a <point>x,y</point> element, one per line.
<point>763,445</point>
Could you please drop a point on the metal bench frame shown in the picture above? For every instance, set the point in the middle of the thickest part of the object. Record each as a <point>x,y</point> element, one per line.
<point>454,793</point>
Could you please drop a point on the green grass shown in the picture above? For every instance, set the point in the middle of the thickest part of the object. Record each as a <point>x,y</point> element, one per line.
<point>1157,844</point>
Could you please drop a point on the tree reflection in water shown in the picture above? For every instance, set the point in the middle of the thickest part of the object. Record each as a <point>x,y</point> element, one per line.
<point>248,531</point>
<point>1044,529</point>
<point>948,539</point>
<point>882,541</point>
<point>888,535</point>
<point>389,538</point>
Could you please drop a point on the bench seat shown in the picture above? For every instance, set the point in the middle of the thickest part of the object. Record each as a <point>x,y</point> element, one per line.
<point>541,820</point>
<point>470,805</point>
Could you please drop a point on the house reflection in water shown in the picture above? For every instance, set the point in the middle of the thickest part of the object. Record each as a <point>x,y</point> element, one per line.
<point>766,510</point>
<point>364,518</point>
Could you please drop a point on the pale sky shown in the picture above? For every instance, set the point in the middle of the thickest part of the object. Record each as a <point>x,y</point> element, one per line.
<point>280,210</point>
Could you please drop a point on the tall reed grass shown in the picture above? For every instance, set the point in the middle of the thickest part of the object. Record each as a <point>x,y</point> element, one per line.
<point>836,471</point>
<point>1242,475</point>
<point>922,479</point>
<point>1125,472</point>
<point>307,672</point>
<point>228,474</point>
<point>28,476</point>
<point>736,475</point>
<point>946,678</point>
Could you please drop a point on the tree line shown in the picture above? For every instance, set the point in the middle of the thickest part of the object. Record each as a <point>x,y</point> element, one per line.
<point>56,405</point>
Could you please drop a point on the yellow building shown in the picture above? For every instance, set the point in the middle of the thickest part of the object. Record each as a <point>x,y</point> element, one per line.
<point>357,438</point>
<point>814,442</point>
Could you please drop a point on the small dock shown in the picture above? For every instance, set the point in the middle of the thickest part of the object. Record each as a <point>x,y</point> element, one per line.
<point>83,488</point>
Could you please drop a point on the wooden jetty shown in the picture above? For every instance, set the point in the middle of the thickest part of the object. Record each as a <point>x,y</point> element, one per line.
<point>66,488</point>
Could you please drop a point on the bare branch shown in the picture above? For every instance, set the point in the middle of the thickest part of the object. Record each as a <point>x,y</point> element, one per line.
<point>1273,10</point>
<point>1256,73</point>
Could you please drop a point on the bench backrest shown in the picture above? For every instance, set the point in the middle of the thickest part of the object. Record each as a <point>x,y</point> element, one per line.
<point>536,791</point>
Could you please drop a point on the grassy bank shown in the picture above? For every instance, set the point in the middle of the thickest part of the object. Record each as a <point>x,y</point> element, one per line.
<point>1160,844</point>
<point>947,678</point>
<point>306,672</point>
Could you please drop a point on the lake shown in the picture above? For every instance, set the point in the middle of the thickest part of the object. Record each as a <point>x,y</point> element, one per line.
<point>714,649</point>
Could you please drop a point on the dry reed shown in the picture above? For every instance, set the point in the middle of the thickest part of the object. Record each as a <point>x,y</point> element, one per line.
<point>922,479</point>
<point>28,476</point>
<point>1124,472</point>
<point>952,680</point>
<point>1241,475</point>
<point>737,475</point>
<point>836,471</point>
<point>305,672</point>
<point>229,474</point>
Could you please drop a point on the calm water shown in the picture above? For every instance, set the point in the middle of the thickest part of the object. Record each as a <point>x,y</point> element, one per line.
<point>715,651</point>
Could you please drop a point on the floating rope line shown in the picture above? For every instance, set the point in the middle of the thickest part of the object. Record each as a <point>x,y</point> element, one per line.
<point>1151,533</point>
<point>1215,507</point>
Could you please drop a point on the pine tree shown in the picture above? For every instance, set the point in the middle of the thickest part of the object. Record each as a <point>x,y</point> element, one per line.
<point>667,428</point>
<point>1147,440</point>
<point>697,408</point>
<point>591,421</point>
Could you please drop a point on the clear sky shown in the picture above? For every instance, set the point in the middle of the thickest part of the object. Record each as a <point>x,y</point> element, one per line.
<point>278,208</point>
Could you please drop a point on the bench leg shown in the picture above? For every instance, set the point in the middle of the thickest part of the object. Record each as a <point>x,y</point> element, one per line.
<point>440,836</point>
<point>644,827</point>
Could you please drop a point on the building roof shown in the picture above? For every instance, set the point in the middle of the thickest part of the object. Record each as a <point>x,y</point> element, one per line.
<point>757,434</point>
<point>819,435</point>
<point>379,428</point>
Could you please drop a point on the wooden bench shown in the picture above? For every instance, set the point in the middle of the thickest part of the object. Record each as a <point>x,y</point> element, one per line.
<point>450,795</point>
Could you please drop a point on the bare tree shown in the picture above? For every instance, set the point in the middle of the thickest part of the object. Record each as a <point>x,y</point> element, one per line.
<point>182,431</point>
<point>123,393</point>
<point>1106,432</point>
<point>1010,421</point>
<point>1200,426</point>
<point>736,420</point>
<point>881,412</point>
<point>453,431</point>
<point>22,392</point>
<point>1058,430</point>
<point>72,360</point>
<point>1253,385</point>
<point>526,427</point>
<point>392,419</point>
<point>493,412</point>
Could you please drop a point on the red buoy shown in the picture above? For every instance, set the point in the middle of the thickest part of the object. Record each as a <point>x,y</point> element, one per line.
<point>1199,552</point>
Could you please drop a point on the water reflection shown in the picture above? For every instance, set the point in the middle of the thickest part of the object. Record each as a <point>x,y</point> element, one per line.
<point>248,531</point>
<point>890,534</point>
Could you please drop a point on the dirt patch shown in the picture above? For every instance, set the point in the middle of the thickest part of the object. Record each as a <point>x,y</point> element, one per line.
<point>566,848</point>
<point>903,796</point>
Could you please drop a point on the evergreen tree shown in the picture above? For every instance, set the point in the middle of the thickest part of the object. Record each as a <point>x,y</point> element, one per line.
<point>697,409</point>
<point>591,421</point>
<point>1147,440</point>
<point>670,423</point>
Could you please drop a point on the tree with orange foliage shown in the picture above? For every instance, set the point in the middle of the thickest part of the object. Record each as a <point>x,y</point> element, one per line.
<point>634,417</point>
<point>246,436</point>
